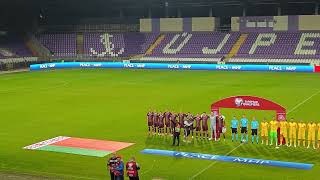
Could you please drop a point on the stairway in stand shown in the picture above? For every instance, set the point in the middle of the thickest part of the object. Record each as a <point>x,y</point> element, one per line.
<point>236,47</point>
<point>80,49</point>
<point>155,44</point>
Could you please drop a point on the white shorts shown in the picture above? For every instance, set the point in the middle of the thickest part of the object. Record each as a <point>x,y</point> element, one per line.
<point>224,130</point>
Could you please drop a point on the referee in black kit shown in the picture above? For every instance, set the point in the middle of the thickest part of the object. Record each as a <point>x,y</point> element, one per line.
<point>176,134</point>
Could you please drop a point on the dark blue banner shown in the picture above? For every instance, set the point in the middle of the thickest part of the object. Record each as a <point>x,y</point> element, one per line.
<point>214,67</point>
<point>262,162</point>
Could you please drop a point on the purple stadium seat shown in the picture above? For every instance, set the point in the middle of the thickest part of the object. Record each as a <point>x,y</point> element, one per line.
<point>195,45</point>
<point>61,45</point>
<point>13,48</point>
<point>117,45</point>
<point>288,46</point>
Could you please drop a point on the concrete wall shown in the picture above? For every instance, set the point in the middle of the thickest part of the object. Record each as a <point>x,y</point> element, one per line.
<point>235,23</point>
<point>145,25</point>
<point>203,24</point>
<point>171,24</point>
<point>276,23</point>
<point>280,23</point>
<point>309,22</point>
<point>179,24</point>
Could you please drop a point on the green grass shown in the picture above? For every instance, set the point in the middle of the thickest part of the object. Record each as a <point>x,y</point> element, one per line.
<point>111,105</point>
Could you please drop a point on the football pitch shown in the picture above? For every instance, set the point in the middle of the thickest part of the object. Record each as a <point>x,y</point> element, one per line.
<point>111,105</point>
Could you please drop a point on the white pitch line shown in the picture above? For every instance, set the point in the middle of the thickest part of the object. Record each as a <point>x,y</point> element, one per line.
<point>291,110</point>
<point>147,171</point>
<point>302,102</point>
<point>210,165</point>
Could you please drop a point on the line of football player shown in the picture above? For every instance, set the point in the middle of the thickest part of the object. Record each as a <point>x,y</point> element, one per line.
<point>291,133</point>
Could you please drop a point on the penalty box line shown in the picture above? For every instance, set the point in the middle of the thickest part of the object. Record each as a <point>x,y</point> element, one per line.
<point>291,110</point>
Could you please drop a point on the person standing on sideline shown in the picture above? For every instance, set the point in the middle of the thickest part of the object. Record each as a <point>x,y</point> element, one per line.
<point>302,133</point>
<point>264,131</point>
<point>254,130</point>
<point>293,132</point>
<point>234,128</point>
<point>132,168</point>
<point>119,169</point>
<point>312,134</point>
<point>176,135</point>
<point>213,126</point>
<point>244,127</point>
<point>111,165</point>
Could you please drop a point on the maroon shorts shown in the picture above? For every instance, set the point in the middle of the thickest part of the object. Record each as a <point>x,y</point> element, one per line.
<point>198,128</point>
<point>161,125</point>
<point>155,124</point>
<point>150,124</point>
<point>167,124</point>
<point>204,128</point>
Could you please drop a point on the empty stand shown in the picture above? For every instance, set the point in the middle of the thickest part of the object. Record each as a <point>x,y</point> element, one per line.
<point>60,45</point>
<point>282,47</point>
<point>12,47</point>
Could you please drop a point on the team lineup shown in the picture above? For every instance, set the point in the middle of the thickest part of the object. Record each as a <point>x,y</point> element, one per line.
<point>212,126</point>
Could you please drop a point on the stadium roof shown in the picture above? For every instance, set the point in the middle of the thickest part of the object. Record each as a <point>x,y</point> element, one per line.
<point>67,11</point>
<point>175,3</point>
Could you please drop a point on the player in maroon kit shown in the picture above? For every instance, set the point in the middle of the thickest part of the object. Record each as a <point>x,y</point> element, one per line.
<point>198,125</point>
<point>161,123</point>
<point>132,168</point>
<point>150,122</point>
<point>205,118</point>
<point>167,117</point>
<point>181,119</point>
<point>155,122</point>
<point>173,121</point>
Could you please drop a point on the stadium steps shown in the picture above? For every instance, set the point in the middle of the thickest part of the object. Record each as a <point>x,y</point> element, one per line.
<point>36,48</point>
<point>236,46</point>
<point>155,44</point>
<point>80,49</point>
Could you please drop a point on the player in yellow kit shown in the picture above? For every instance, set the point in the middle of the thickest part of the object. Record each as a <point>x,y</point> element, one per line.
<point>284,132</point>
<point>318,135</point>
<point>264,131</point>
<point>293,132</point>
<point>273,131</point>
<point>302,133</point>
<point>312,134</point>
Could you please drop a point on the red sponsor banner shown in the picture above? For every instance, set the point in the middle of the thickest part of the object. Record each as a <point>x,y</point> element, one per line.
<point>317,69</point>
<point>250,102</point>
